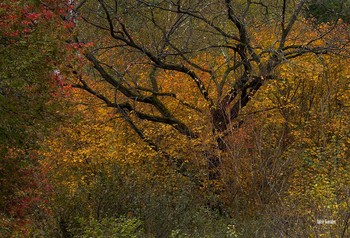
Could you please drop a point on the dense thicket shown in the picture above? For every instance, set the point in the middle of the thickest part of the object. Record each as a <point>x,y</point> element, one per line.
<point>29,51</point>
<point>175,119</point>
<point>328,10</point>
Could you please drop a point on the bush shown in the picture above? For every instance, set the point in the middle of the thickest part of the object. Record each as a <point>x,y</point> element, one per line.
<point>114,227</point>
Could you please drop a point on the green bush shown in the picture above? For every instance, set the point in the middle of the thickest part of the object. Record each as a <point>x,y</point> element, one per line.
<point>113,227</point>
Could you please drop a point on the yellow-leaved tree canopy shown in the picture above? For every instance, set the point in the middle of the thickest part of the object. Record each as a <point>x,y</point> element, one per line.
<point>192,66</point>
<point>185,113</point>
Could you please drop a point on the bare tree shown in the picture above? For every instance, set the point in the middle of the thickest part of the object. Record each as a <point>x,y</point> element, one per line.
<point>167,35</point>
